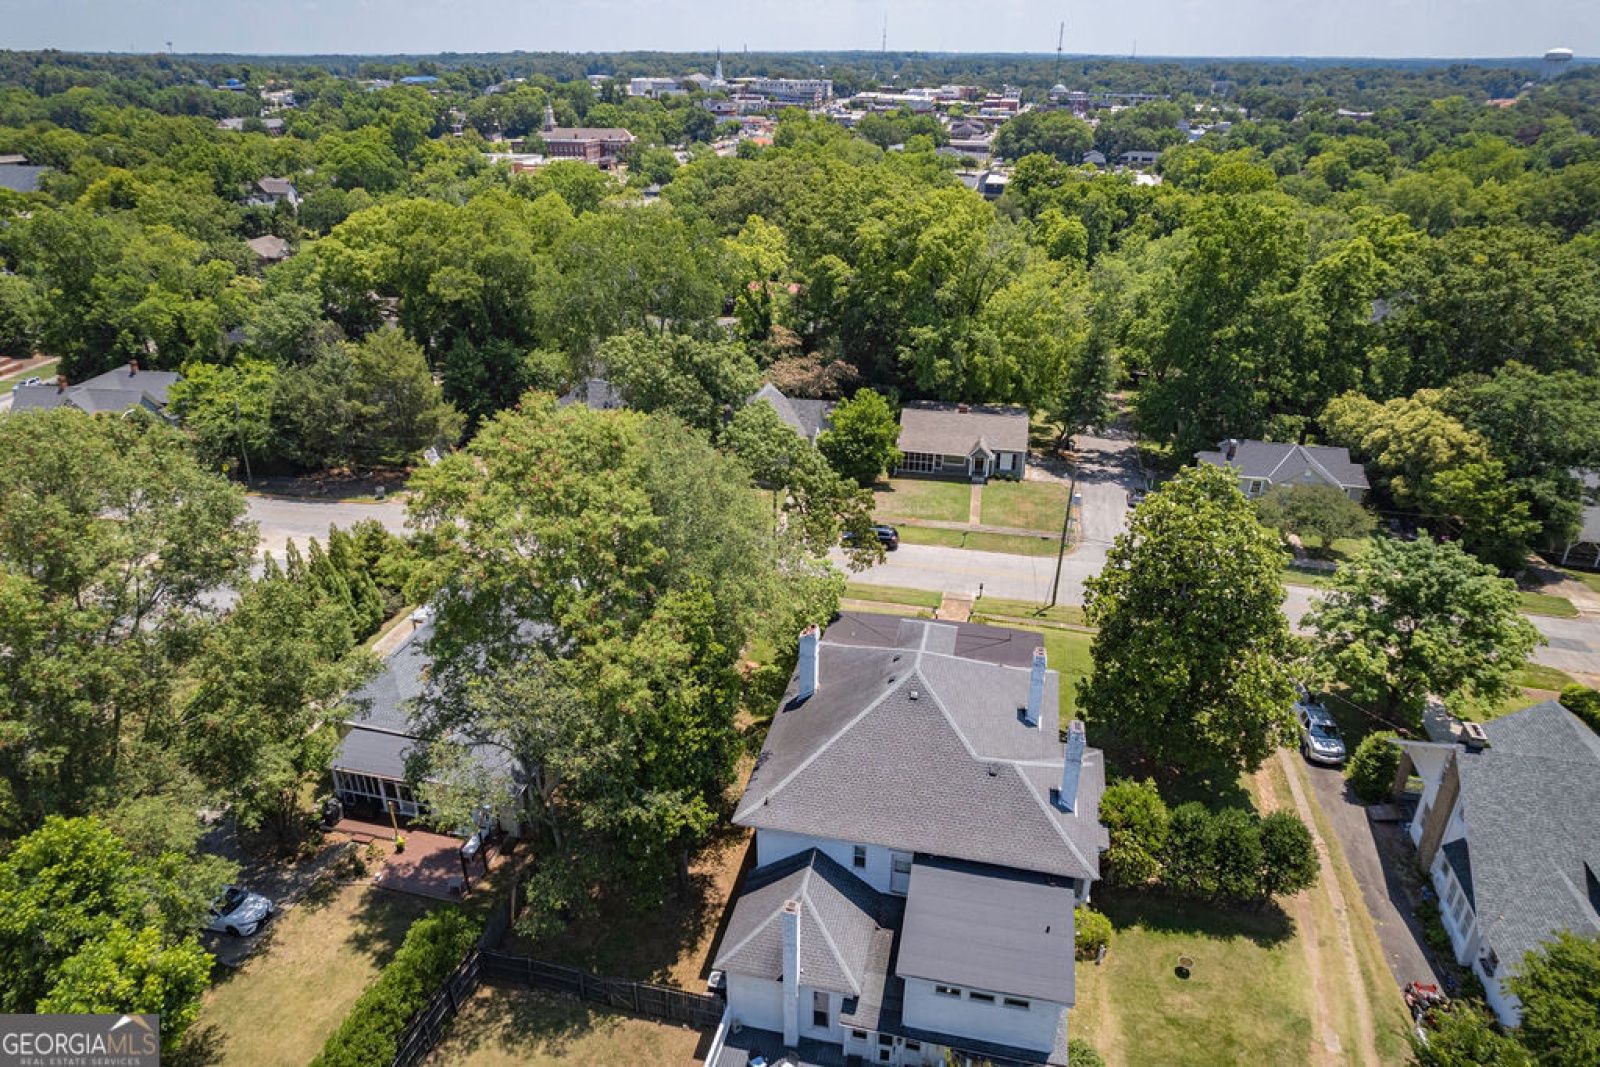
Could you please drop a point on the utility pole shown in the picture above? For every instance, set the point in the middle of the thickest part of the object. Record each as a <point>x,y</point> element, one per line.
<point>1066,526</point>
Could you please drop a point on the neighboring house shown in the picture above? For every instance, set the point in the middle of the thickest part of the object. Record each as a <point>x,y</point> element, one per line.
<point>369,766</point>
<point>1140,159</point>
<point>602,146</point>
<point>115,391</point>
<point>1506,829</point>
<point>807,418</point>
<point>595,393</point>
<point>269,248</point>
<point>963,440</point>
<point>270,125</point>
<point>922,836</point>
<point>18,176</point>
<point>271,191</point>
<point>1261,465</point>
<point>1584,549</point>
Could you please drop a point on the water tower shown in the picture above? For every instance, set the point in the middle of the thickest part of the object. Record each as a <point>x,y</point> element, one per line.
<point>1555,61</point>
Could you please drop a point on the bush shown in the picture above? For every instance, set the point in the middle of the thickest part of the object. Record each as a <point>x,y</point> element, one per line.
<point>1466,1034</point>
<point>1584,703</point>
<point>1234,855</point>
<point>1288,855</point>
<point>1137,820</point>
<point>434,946</point>
<point>1093,931</point>
<point>1082,1054</point>
<point>1372,768</point>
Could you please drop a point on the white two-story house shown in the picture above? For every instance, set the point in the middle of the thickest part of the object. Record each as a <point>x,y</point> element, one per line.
<point>924,827</point>
<point>1506,827</point>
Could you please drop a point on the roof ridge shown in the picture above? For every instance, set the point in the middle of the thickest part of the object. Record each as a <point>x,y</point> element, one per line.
<point>827,937</point>
<point>1055,824</point>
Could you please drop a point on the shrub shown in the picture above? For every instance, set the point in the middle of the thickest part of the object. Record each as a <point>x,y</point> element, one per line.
<point>1584,703</point>
<point>1233,854</point>
<point>1288,855</point>
<point>1082,1054</point>
<point>370,1034</point>
<point>1372,768</point>
<point>1137,820</point>
<point>1092,929</point>
<point>1467,1034</point>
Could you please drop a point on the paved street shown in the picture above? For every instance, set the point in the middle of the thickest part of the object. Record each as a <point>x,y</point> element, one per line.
<point>282,519</point>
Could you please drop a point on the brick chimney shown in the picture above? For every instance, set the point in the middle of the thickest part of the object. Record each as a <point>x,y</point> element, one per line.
<point>1072,766</point>
<point>61,383</point>
<point>1231,447</point>
<point>133,367</point>
<point>1035,708</point>
<point>791,973</point>
<point>806,671</point>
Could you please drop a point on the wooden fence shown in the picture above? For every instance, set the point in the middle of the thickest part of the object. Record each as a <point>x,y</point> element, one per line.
<point>641,998</point>
<point>428,1025</point>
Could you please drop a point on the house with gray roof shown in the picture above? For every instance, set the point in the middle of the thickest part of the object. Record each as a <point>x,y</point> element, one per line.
<point>17,175</point>
<point>596,394</point>
<point>807,418</point>
<point>1260,465</point>
<point>925,824</point>
<point>1506,828</point>
<point>963,440</point>
<point>379,735</point>
<point>1584,548</point>
<point>115,391</point>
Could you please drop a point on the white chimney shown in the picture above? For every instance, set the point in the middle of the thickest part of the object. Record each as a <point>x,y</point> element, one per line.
<point>791,973</point>
<point>1072,766</point>
<point>1036,688</point>
<point>807,671</point>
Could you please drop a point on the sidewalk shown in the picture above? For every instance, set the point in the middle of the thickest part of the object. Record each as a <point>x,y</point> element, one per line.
<point>970,527</point>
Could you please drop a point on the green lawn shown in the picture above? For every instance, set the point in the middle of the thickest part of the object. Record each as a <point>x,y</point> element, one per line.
<point>1545,604</point>
<point>1292,576</point>
<point>45,371</point>
<point>1071,614</point>
<point>915,498</point>
<point>1535,676</point>
<point>1016,544</point>
<point>504,1026</point>
<point>893,594</point>
<point>1025,505</point>
<point>1538,676</point>
<point>1588,578</point>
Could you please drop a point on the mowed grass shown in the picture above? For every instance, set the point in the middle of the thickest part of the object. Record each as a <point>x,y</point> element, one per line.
<point>1588,578</point>
<point>1546,604</point>
<point>297,987</point>
<point>1025,505</point>
<point>45,372</point>
<point>914,498</point>
<point>1247,999</point>
<point>892,594</point>
<point>1069,614</point>
<point>502,1027</point>
<point>1013,544</point>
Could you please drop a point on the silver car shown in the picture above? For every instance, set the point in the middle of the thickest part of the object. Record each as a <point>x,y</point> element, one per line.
<point>238,911</point>
<point>1320,740</point>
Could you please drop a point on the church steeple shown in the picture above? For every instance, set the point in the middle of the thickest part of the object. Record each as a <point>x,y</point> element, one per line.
<point>549,117</point>
<point>718,76</point>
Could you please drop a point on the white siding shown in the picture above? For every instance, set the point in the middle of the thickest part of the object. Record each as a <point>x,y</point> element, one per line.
<point>1033,1027</point>
<point>833,1032</point>
<point>774,845</point>
<point>1430,768</point>
<point>755,1002</point>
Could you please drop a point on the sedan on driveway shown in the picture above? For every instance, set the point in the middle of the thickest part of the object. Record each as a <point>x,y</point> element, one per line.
<point>238,911</point>
<point>1320,740</point>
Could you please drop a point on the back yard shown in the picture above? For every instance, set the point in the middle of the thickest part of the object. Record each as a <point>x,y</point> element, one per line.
<point>501,1027</point>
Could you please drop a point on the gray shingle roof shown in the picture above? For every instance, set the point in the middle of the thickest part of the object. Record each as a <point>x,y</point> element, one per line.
<point>1530,800</point>
<point>944,429</point>
<point>1274,462</point>
<point>114,391</point>
<point>841,918</point>
<point>21,177</point>
<point>805,417</point>
<point>909,746</point>
<point>978,927</point>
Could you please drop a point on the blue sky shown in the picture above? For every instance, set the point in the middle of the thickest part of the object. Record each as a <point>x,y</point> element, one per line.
<point>1156,27</point>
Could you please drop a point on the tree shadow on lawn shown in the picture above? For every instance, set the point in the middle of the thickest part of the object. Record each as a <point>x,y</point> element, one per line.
<point>1216,789</point>
<point>379,921</point>
<point>203,1045</point>
<point>1267,925</point>
<point>523,1019</point>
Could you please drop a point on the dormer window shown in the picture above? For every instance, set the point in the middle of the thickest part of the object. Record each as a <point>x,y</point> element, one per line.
<point>858,858</point>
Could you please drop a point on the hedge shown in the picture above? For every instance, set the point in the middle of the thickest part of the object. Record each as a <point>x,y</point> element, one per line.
<point>1584,703</point>
<point>1092,931</point>
<point>370,1035</point>
<point>1372,768</point>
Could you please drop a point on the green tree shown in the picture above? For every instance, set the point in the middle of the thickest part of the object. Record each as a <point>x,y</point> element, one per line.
<point>1060,135</point>
<point>1288,854</point>
<point>1320,511</point>
<point>1137,819</point>
<point>1084,402</point>
<point>134,973</point>
<point>1409,619</point>
<point>701,382</point>
<point>1372,767</point>
<point>1190,661</point>
<point>1467,1036</point>
<point>21,317</point>
<point>860,442</point>
<point>1559,987</point>
<point>228,410</point>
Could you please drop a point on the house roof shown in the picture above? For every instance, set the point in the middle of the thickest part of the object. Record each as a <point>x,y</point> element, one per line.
<point>909,744</point>
<point>20,177</point>
<point>585,133</point>
<point>114,391</point>
<point>806,417</point>
<point>945,429</point>
<point>1274,461</point>
<point>595,393</point>
<point>276,186</point>
<point>999,930</point>
<point>840,916</point>
<point>269,246</point>
<point>1530,799</point>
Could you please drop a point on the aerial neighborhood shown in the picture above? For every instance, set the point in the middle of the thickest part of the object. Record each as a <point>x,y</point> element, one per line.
<point>798,558</point>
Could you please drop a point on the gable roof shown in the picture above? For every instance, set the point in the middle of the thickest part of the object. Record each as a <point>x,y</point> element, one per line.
<point>21,177</point>
<point>999,930</point>
<point>269,246</point>
<point>805,417</point>
<point>1275,461</point>
<point>276,186</point>
<point>945,429</point>
<point>1530,799</point>
<point>908,744</point>
<point>114,391</point>
<point>840,919</point>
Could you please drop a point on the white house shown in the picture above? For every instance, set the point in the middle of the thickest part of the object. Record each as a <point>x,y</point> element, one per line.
<point>963,440</point>
<point>1507,830</point>
<point>923,834</point>
<point>1260,465</point>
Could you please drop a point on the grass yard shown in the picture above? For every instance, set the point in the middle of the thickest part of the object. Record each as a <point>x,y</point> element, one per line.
<point>916,498</point>
<point>1545,604</point>
<point>1588,578</point>
<point>1294,576</point>
<point>1538,676</point>
<point>299,984</point>
<point>502,1027</point>
<point>1067,614</point>
<point>1025,505</point>
<point>45,372</point>
<point>1014,544</point>
<point>892,594</point>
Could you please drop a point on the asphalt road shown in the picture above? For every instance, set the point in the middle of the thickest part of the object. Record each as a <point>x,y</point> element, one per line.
<point>282,520</point>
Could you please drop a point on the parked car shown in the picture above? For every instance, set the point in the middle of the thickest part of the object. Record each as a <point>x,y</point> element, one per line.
<point>1320,740</point>
<point>238,911</point>
<point>888,537</point>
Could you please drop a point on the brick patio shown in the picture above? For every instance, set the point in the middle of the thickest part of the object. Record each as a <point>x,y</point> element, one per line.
<point>429,867</point>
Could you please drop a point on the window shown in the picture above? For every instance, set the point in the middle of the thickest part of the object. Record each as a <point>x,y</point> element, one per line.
<point>1014,1002</point>
<point>981,998</point>
<point>947,990</point>
<point>1255,487</point>
<point>1491,963</point>
<point>859,860</point>
<point>918,463</point>
<point>819,1008</point>
<point>859,1035</point>
<point>913,1046</point>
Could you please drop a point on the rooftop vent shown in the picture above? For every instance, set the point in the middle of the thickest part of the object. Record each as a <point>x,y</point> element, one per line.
<point>914,695</point>
<point>1474,737</point>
